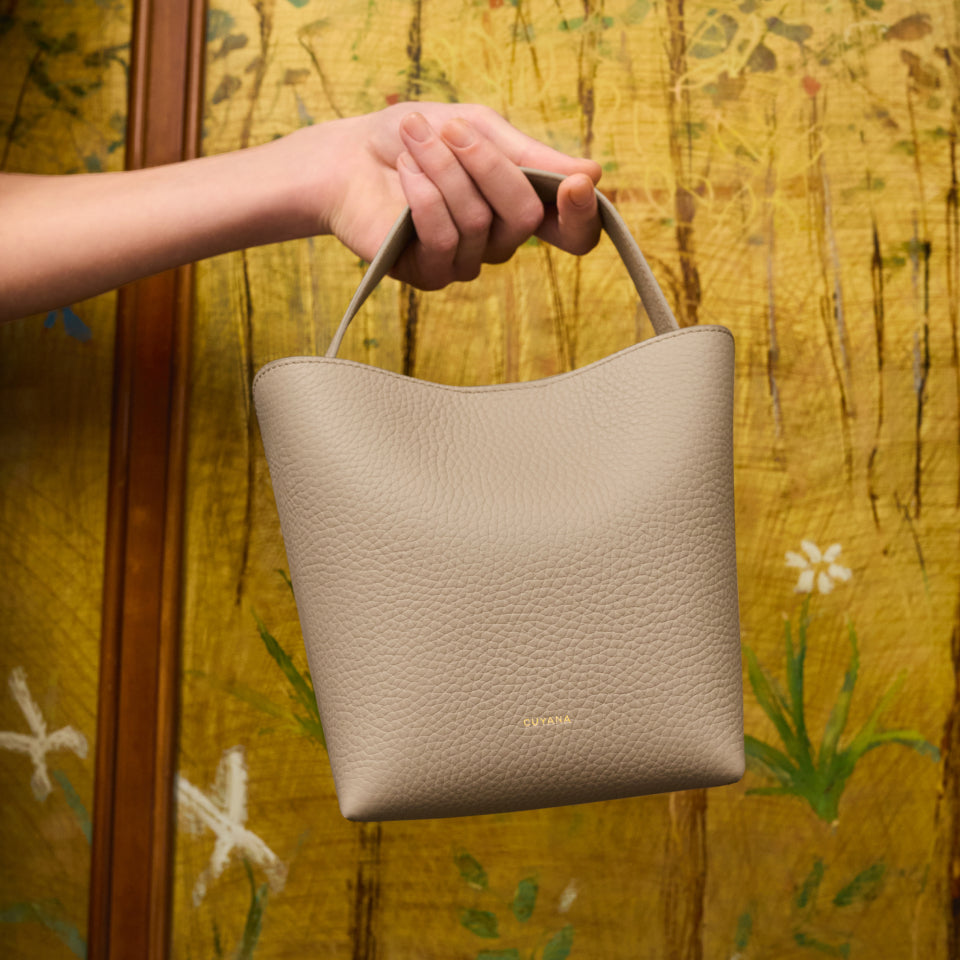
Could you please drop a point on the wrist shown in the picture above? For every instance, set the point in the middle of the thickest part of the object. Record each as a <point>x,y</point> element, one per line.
<point>306,179</point>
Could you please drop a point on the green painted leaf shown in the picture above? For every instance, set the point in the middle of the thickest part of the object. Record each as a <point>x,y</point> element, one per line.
<point>286,578</point>
<point>771,700</point>
<point>303,692</point>
<point>48,914</point>
<point>75,804</point>
<point>772,791</point>
<point>797,32</point>
<point>525,899</point>
<point>715,37</point>
<point>837,720</point>
<point>803,940</point>
<point>762,59</point>
<point>560,945</point>
<point>254,923</point>
<point>637,11</point>
<point>863,888</point>
<point>299,4</point>
<point>256,699</point>
<point>470,870</point>
<point>861,742</point>
<point>906,738</point>
<point>874,4</point>
<point>796,660</point>
<point>808,892</point>
<point>217,945</point>
<point>498,955</point>
<point>219,24</point>
<point>481,922</point>
<point>741,939</point>
<point>765,759</point>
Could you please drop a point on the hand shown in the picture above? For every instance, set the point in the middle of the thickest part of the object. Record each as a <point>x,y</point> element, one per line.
<point>456,166</point>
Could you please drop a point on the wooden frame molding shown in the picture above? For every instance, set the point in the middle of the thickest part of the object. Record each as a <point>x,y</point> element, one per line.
<point>134,805</point>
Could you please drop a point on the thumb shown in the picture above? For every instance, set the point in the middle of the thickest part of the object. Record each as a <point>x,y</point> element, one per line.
<point>575,226</point>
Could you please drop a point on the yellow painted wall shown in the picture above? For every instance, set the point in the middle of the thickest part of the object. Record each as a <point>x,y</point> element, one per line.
<point>789,169</point>
<point>63,104</point>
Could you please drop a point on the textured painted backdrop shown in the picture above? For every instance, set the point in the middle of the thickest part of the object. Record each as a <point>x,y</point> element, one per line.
<point>63,106</point>
<point>790,170</point>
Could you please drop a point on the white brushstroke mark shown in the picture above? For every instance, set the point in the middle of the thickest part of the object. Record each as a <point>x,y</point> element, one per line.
<point>224,811</point>
<point>569,894</point>
<point>40,743</point>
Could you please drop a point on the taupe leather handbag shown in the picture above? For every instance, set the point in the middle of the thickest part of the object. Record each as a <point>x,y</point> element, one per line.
<point>517,595</point>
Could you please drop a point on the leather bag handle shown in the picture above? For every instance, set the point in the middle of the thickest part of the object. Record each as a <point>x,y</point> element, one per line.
<point>546,184</point>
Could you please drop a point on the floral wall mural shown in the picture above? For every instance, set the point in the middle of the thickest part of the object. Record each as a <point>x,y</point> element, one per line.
<point>790,171</point>
<point>63,108</point>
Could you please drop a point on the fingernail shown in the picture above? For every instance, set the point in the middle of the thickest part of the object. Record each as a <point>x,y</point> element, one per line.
<point>416,126</point>
<point>458,133</point>
<point>407,160</point>
<point>581,192</point>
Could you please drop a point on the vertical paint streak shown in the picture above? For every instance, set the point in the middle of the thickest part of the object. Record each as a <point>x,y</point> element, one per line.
<point>521,28</point>
<point>303,37</point>
<point>921,352</point>
<point>773,348</point>
<point>684,887</point>
<point>366,901</point>
<point>921,374</point>
<point>409,313</point>
<point>681,130</point>
<point>409,298</point>
<point>12,128</point>
<point>876,280</point>
<point>565,344</point>
<point>264,10</point>
<point>953,270</point>
<point>246,359</point>
<point>818,185</point>
<point>587,62</point>
<point>949,795</point>
<point>838,302</point>
<point>415,52</point>
<point>685,876</point>
<point>912,527</point>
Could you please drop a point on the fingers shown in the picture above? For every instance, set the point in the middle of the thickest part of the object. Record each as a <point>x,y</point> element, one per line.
<point>471,203</point>
<point>518,147</point>
<point>516,209</point>
<point>429,262</point>
<point>454,206</point>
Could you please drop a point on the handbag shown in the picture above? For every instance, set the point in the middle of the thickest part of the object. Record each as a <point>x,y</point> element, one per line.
<point>518,595</point>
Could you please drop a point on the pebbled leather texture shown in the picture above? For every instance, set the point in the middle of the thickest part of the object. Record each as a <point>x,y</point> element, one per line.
<point>518,595</point>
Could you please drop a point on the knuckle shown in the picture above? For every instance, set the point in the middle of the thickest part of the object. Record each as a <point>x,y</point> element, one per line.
<point>529,217</point>
<point>477,219</point>
<point>443,242</point>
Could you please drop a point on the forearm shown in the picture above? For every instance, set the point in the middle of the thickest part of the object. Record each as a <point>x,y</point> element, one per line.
<point>66,238</point>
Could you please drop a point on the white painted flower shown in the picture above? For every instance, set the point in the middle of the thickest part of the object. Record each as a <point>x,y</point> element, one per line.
<point>224,811</point>
<point>40,743</point>
<point>816,568</point>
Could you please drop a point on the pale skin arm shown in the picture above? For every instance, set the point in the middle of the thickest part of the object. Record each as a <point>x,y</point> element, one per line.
<point>66,238</point>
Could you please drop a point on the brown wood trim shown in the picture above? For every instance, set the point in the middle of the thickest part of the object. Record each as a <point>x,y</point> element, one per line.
<point>133,826</point>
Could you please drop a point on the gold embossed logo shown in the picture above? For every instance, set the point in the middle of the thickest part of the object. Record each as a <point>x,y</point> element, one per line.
<point>546,721</point>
